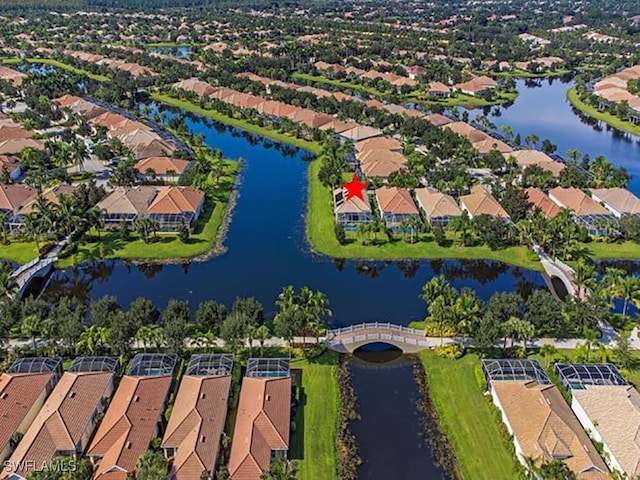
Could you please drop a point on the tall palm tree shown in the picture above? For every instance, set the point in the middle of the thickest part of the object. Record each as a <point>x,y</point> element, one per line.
<point>628,289</point>
<point>584,276</point>
<point>91,339</point>
<point>466,311</point>
<point>4,227</point>
<point>32,228</point>
<point>262,334</point>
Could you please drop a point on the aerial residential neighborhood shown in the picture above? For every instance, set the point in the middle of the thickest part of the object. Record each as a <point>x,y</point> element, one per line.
<point>319,240</point>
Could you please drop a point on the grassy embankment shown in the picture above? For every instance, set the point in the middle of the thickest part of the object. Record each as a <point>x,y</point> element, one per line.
<point>519,73</point>
<point>467,418</point>
<point>166,246</point>
<point>460,99</point>
<point>609,119</point>
<point>54,63</point>
<point>238,122</point>
<point>320,231</point>
<point>313,443</point>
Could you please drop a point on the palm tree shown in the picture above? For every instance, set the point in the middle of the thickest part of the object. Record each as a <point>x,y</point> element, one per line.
<point>31,327</point>
<point>68,213</point>
<point>628,289</point>
<point>79,152</point>
<point>466,311</point>
<point>584,276</point>
<point>591,340</point>
<point>4,227</point>
<point>435,288</point>
<point>262,334</point>
<point>91,338</point>
<point>32,229</point>
<point>548,351</point>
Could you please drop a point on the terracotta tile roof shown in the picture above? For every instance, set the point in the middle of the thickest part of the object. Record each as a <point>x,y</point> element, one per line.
<point>538,199</point>
<point>615,413</point>
<point>361,132</point>
<point>546,428</point>
<point>438,119</point>
<point>338,126</point>
<point>438,87</point>
<point>129,425</point>
<point>13,76</point>
<point>108,119</point>
<point>18,395</point>
<point>63,420</point>
<point>481,202</point>
<point>525,158</point>
<point>353,205</point>
<point>277,109</point>
<point>437,204</point>
<point>576,201</point>
<point>14,197</point>
<point>176,200</point>
<point>16,145</point>
<point>134,200</point>
<point>262,425</point>
<point>379,143</point>
<point>395,200</point>
<point>369,156</point>
<point>51,195</point>
<point>162,165</point>
<point>196,424</point>
<point>196,86</point>
<point>619,199</point>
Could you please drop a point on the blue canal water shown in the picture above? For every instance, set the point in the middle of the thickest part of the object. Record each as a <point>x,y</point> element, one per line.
<point>267,250</point>
<point>542,108</point>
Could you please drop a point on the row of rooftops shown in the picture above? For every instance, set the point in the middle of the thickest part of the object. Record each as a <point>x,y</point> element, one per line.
<point>134,134</point>
<point>19,200</point>
<point>614,87</point>
<point>544,426</point>
<point>134,69</point>
<point>58,413</point>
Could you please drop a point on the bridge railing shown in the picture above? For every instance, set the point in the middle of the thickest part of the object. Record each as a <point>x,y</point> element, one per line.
<point>43,263</point>
<point>374,326</point>
<point>25,267</point>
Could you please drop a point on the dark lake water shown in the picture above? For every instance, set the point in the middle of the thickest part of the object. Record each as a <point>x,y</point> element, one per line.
<point>541,108</point>
<point>391,438</point>
<point>267,250</point>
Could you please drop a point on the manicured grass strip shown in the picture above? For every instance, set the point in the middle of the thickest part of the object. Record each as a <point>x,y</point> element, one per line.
<point>463,100</point>
<point>238,122</point>
<point>339,83</point>
<point>321,235</point>
<point>518,73</point>
<point>313,443</point>
<point>619,250</point>
<point>19,251</point>
<point>55,63</point>
<point>609,119</point>
<point>166,246</point>
<point>467,418</point>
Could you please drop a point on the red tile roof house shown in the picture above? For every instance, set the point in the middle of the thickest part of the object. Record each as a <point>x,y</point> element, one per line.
<point>438,207</point>
<point>167,169</point>
<point>192,438</point>
<point>133,417</point>
<point>539,200</point>
<point>618,201</point>
<point>23,391</point>
<point>353,212</point>
<point>12,199</point>
<point>68,418</point>
<point>263,419</point>
<point>395,206</point>
<point>174,206</point>
<point>587,212</point>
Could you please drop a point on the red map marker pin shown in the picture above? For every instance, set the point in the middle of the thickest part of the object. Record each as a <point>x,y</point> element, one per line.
<point>355,187</point>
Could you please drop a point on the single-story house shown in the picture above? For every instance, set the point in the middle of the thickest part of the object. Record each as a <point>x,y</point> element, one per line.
<point>263,420</point>
<point>126,205</point>
<point>618,201</point>
<point>609,409</point>
<point>12,198</point>
<point>23,390</point>
<point>351,213</point>
<point>477,85</point>
<point>526,158</point>
<point>481,202</point>
<point>438,89</point>
<point>174,206</point>
<point>168,169</point>
<point>133,417</point>
<point>196,426</point>
<point>537,416</point>
<point>396,206</point>
<point>586,210</point>
<point>69,416</point>
<point>361,132</point>
<point>438,207</point>
<point>539,200</point>
<point>379,143</point>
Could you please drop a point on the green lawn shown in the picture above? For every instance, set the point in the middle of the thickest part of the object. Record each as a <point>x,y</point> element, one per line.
<point>609,119</point>
<point>20,251</point>
<point>165,246</point>
<point>467,419</point>
<point>463,100</point>
<point>321,235</point>
<point>518,73</point>
<point>313,444</point>
<point>340,83</point>
<point>238,122</point>
<point>54,63</point>
<point>620,250</point>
